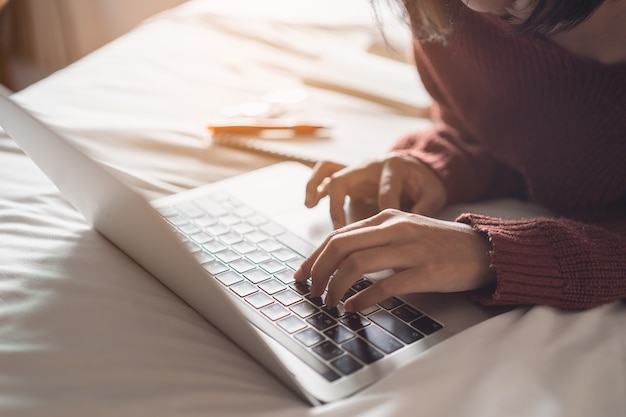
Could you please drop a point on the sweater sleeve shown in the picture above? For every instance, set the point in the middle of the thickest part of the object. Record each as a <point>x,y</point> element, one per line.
<point>465,167</point>
<point>466,170</point>
<point>574,265</point>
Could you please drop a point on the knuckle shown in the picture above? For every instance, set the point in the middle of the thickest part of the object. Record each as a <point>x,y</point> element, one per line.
<point>356,263</point>
<point>390,213</point>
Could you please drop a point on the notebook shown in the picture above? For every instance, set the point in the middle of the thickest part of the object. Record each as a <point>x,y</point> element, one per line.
<point>228,249</point>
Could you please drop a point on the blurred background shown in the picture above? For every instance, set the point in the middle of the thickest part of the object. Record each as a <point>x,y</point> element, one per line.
<point>38,37</point>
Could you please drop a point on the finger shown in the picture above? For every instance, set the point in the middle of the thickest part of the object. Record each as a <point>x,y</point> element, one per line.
<point>357,265</point>
<point>343,241</point>
<point>326,258</point>
<point>391,185</point>
<point>304,270</point>
<point>321,171</point>
<point>401,283</point>
<point>337,193</point>
<point>425,207</point>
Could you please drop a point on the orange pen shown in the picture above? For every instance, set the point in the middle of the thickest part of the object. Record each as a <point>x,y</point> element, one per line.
<point>255,126</point>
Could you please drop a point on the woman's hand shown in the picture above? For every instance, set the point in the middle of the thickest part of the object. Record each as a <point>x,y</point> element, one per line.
<point>427,255</point>
<point>394,181</point>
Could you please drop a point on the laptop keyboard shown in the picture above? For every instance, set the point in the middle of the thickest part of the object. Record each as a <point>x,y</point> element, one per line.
<point>255,258</point>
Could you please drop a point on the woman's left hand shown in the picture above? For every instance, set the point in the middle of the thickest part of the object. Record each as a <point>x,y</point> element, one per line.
<point>426,254</point>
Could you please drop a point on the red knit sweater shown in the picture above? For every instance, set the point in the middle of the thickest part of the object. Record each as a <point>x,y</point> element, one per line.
<point>522,117</point>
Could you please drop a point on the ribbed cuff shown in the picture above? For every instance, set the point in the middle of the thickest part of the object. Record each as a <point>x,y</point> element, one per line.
<point>528,270</point>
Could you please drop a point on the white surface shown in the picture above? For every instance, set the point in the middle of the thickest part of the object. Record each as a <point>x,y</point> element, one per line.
<point>85,331</point>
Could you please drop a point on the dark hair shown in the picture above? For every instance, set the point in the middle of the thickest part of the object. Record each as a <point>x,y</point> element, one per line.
<point>432,20</point>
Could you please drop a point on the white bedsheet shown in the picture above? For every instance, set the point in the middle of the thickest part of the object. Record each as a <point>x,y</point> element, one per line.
<point>84,331</point>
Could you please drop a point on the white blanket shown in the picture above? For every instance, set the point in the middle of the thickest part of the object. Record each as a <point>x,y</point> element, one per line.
<point>84,331</point>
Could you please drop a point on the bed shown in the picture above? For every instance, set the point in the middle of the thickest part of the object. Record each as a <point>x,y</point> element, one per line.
<point>85,331</point>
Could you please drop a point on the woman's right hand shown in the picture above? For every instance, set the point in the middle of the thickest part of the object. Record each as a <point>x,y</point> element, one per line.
<point>395,181</point>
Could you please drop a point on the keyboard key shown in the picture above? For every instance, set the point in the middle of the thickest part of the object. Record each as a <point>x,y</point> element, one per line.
<point>244,247</point>
<point>227,256</point>
<point>189,229</point>
<point>242,228</point>
<point>256,275</point>
<point>346,364</point>
<point>177,220</point>
<point>270,245</point>
<point>272,229</point>
<point>192,246</point>
<point>301,288</point>
<point>426,325</point>
<point>365,352</point>
<point>328,350</point>
<point>204,257</point>
<point>348,294</point>
<point>214,246</point>
<point>304,309</point>
<point>242,265</point>
<point>215,267</point>
<point>216,229</point>
<point>321,321</point>
<point>396,327</point>
<point>230,238</point>
<point>295,262</point>
<point>258,256</point>
<point>285,276</point>
<point>390,303</point>
<point>330,375</point>
<point>339,334</point>
<point>361,285</point>
<point>335,312</point>
<point>259,300</point>
<point>272,266</point>
<point>166,211</point>
<point>201,238</point>
<point>294,242</point>
<point>243,289</point>
<point>291,324</point>
<point>353,321</point>
<point>369,310</point>
<point>318,301</point>
<point>275,311</point>
<point>244,211</point>
<point>229,278</point>
<point>287,297</point>
<point>284,254</point>
<point>381,339</point>
<point>309,337</point>
<point>229,219</point>
<point>272,286</point>
<point>257,220</point>
<point>255,236</point>
<point>204,221</point>
<point>407,313</point>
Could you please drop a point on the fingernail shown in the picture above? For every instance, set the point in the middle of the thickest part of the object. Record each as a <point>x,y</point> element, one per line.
<point>298,275</point>
<point>348,306</point>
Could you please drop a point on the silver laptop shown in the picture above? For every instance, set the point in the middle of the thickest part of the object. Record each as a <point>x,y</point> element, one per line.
<point>229,250</point>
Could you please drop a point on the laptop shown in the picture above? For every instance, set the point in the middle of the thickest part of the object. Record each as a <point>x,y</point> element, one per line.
<point>229,249</point>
